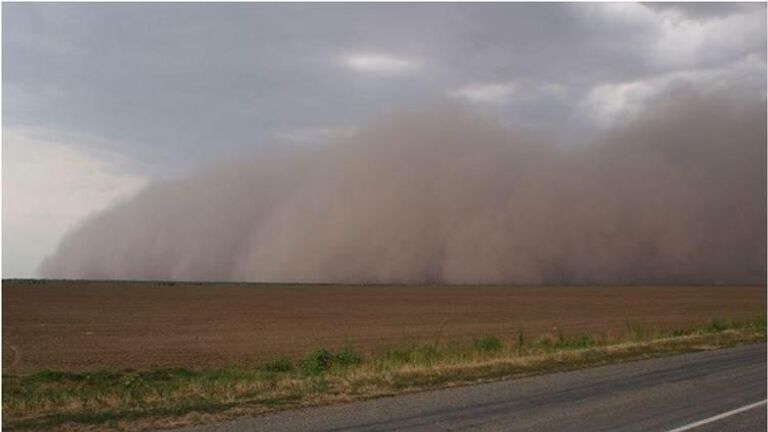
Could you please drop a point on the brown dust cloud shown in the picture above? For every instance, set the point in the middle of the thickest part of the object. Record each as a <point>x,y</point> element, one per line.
<point>443,195</point>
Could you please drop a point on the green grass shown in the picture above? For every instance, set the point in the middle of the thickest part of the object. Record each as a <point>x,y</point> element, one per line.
<point>124,399</point>
<point>280,364</point>
<point>347,357</point>
<point>488,343</point>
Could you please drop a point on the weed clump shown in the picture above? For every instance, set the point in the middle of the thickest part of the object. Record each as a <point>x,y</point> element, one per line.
<point>488,343</point>
<point>520,341</point>
<point>322,360</point>
<point>398,355</point>
<point>582,341</point>
<point>280,364</point>
<point>545,341</point>
<point>718,325</point>
<point>347,357</point>
<point>318,361</point>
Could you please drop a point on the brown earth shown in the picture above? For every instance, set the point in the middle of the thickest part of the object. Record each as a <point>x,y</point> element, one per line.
<point>89,325</point>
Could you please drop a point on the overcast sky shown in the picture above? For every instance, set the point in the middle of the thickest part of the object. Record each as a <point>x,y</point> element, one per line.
<point>100,99</point>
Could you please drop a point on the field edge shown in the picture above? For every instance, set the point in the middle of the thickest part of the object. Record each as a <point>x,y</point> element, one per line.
<point>124,400</point>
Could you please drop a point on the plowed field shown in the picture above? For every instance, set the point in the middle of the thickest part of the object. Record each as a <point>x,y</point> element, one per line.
<point>89,325</point>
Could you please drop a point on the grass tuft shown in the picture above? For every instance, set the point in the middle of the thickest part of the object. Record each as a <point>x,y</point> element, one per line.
<point>317,361</point>
<point>280,364</point>
<point>488,343</point>
<point>347,357</point>
<point>718,324</point>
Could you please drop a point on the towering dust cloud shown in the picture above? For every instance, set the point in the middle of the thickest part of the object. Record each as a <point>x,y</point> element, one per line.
<point>441,196</point>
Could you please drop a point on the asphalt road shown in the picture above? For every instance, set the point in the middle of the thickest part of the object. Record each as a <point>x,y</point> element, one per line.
<point>652,395</point>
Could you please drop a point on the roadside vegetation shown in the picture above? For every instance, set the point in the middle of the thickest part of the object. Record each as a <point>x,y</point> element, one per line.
<point>135,400</point>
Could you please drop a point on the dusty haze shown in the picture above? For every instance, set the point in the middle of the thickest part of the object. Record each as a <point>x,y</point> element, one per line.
<point>445,196</point>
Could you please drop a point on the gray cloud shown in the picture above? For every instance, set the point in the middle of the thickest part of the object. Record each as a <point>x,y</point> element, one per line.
<point>182,84</point>
<point>706,10</point>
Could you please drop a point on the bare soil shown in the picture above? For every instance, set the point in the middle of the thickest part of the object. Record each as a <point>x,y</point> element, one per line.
<point>76,325</point>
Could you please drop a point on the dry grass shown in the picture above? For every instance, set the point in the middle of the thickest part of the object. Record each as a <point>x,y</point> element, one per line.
<point>157,398</point>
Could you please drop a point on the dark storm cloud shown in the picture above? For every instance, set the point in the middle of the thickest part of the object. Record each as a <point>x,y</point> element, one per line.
<point>180,84</point>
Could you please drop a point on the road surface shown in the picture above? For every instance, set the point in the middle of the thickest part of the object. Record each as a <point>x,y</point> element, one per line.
<point>721,390</point>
